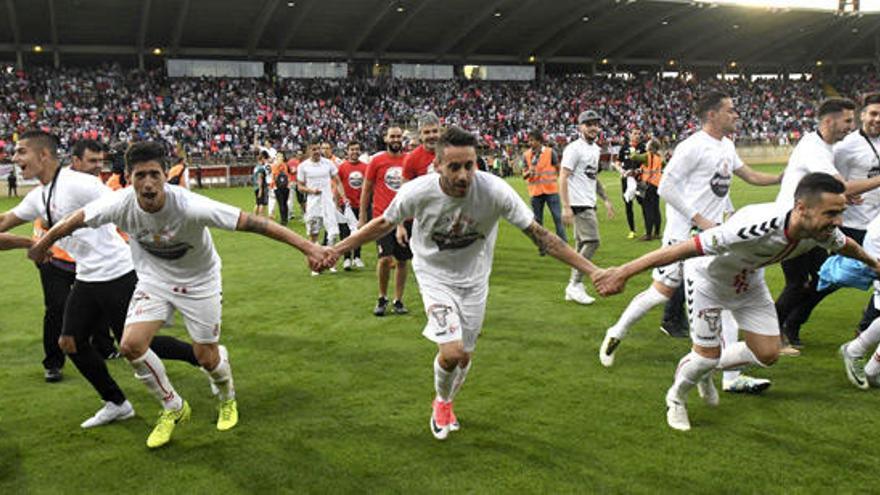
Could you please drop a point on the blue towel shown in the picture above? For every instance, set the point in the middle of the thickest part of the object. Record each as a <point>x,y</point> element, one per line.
<point>840,271</point>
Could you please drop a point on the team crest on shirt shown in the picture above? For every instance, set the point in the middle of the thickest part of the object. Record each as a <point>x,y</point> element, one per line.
<point>456,231</point>
<point>720,182</point>
<point>394,178</point>
<point>355,180</point>
<point>161,244</point>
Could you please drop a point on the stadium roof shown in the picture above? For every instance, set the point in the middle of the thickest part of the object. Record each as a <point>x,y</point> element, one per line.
<point>448,31</point>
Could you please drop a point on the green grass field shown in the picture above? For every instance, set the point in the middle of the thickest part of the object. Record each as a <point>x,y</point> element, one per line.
<point>334,400</point>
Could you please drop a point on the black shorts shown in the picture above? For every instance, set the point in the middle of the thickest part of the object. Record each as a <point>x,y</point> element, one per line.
<point>92,305</point>
<point>262,199</point>
<point>388,245</point>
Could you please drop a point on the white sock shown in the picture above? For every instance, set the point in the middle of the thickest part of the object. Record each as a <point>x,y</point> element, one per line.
<point>150,370</point>
<point>443,380</point>
<point>872,367</point>
<point>862,344</point>
<point>271,203</point>
<point>731,375</point>
<point>691,369</point>
<point>458,381</point>
<point>641,304</point>
<point>738,355</point>
<point>221,377</point>
<point>729,336</point>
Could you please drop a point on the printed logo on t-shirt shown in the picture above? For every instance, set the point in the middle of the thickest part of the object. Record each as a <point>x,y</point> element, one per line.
<point>355,180</point>
<point>456,232</point>
<point>394,178</point>
<point>161,245</point>
<point>720,182</point>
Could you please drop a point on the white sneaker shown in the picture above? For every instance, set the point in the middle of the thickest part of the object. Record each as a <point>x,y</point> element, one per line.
<point>108,414</point>
<point>315,274</point>
<point>358,263</point>
<point>708,392</point>
<point>346,264</point>
<point>744,384</point>
<point>577,293</point>
<point>332,269</point>
<point>606,350</point>
<point>855,369</point>
<point>677,416</point>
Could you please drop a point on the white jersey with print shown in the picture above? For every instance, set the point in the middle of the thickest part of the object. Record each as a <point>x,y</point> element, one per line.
<point>453,239</point>
<point>812,154</point>
<point>581,159</point>
<point>738,250</point>
<point>100,253</point>
<point>858,157</point>
<point>172,247</point>
<point>697,180</point>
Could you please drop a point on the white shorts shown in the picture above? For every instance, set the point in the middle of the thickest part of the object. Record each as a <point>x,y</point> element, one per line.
<point>454,313</point>
<point>201,314</point>
<point>314,225</point>
<point>669,275</point>
<point>753,310</point>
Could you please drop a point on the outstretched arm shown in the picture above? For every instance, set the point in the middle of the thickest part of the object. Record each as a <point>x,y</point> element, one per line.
<point>756,178</point>
<point>8,221</point>
<point>852,250</point>
<point>76,220</point>
<point>377,228</point>
<point>9,241</point>
<point>550,243</point>
<point>260,225</point>
<point>613,280</point>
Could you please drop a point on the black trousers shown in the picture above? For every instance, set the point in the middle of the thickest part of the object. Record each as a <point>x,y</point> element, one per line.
<point>90,307</point>
<point>628,205</point>
<point>281,196</point>
<point>799,296</point>
<point>651,210</point>
<point>56,284</point>
<point>344,232</point>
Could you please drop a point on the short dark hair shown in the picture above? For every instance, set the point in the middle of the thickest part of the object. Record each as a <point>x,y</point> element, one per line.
<point>454,136</point>
<point>352,143</point>
<point>264,154</point>
<point>835,105</point>
<point>709,102</point>
<point>315,142</point>
<point>812,185</point>
<point>42,139</point>
<point>80,147</point>
<point>871,99</point>
<point>537,135</point>
<point>145,151</point>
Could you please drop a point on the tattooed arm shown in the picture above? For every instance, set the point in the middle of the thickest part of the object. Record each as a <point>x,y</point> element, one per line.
<point>550,243</point>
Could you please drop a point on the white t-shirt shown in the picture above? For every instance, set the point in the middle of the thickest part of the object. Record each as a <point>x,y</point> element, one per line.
<point>871,244</point>
<point>100,253</point>
<point>854,159</point>
<point>756,236</point>
<point>172,247</point>
<point>582,160</point>
<point>453,239</point>
<point>317,175</point>
<point>697,180</point>
<point>811,154</point>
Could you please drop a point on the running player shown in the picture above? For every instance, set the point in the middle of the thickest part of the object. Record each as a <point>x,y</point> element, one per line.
<point>696,188</point>
<point>456,214</point>
<point>729,275</point>
<point>178,269</point>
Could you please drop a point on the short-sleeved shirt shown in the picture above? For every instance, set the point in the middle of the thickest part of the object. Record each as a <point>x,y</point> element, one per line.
<point>386,173</point>
<point>812,154</point>
<point>754,237</point>
<point>858,157</point>
<point>581,159</point>
<point>352,175</point>
<point>418,162</point>
<point>316,175</point>
<point>100,253</point>
<point>624,155</point>
<point>453,239</point>
<point>702,168</point>
<point>172,248</point>
<point>261,176</point>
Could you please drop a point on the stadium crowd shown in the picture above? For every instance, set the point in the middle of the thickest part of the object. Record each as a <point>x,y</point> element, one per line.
<point>222,117</point>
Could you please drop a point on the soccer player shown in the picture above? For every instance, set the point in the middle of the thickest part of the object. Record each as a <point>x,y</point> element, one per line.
<point>318,178</point>
<point>105,278</point>
<point>178,269</point>
<point>696,188</point>
<point>578,188</point>
<point>629,170</point>
<point>351,174</point>
<point>384,178</point>
<point>456,214</point>
<point>261,183</point>
<point>729,274</point>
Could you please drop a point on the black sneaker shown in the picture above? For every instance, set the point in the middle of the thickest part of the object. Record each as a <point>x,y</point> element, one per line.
<point>399,308</point>
<point>674,329</point>
<point>53,375</point>
<point>381,306</point>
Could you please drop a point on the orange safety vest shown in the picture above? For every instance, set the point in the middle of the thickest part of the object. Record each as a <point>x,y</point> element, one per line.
<point>176,171</point>
<point>544,177</point>
<point>57,252</point>
<point>114,182</point>
<point>652,169</point>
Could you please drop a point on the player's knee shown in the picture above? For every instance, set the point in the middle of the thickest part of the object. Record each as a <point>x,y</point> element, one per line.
<point>452,356</point>
<point>767,355</point>
<point>132,350</point>
<point>207,355</point>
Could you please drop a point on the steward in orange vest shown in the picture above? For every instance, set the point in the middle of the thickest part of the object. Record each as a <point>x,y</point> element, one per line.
<point>651,171</point>
<point>541,173</point>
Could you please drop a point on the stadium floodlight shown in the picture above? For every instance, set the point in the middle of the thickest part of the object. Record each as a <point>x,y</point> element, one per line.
<point>38,49</point>
<point>291,4</point>
<point>400,8</point>
<point>818,63</point>
<point>732,64</point>
<point>532,59</point>
<point>497,13</point>
<point>671,62</point>
<point>604,60</point>
<point>157,51</point>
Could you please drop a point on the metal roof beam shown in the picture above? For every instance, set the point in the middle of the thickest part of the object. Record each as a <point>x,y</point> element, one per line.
<point>179,24</point>
<point>401,25</point>
<point>380,10</point>
<point>260,26</point>
<point>476,19</point>
<point>299,16</point>
<point>639,30</point>
<point>547,36</point>
<point>474,44</point>
<point>145,22</point>
<point>682,22</point>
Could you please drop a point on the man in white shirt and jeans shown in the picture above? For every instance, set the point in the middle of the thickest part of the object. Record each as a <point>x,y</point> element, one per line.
<point>456,213</point>
<point>178,269</point>
<point>578,188</point>
<point>726,272</point>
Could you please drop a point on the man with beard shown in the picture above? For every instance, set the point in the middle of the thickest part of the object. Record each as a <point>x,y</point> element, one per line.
<point>351,174</point>
<point>418,162</point>
<point>384,178</point>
